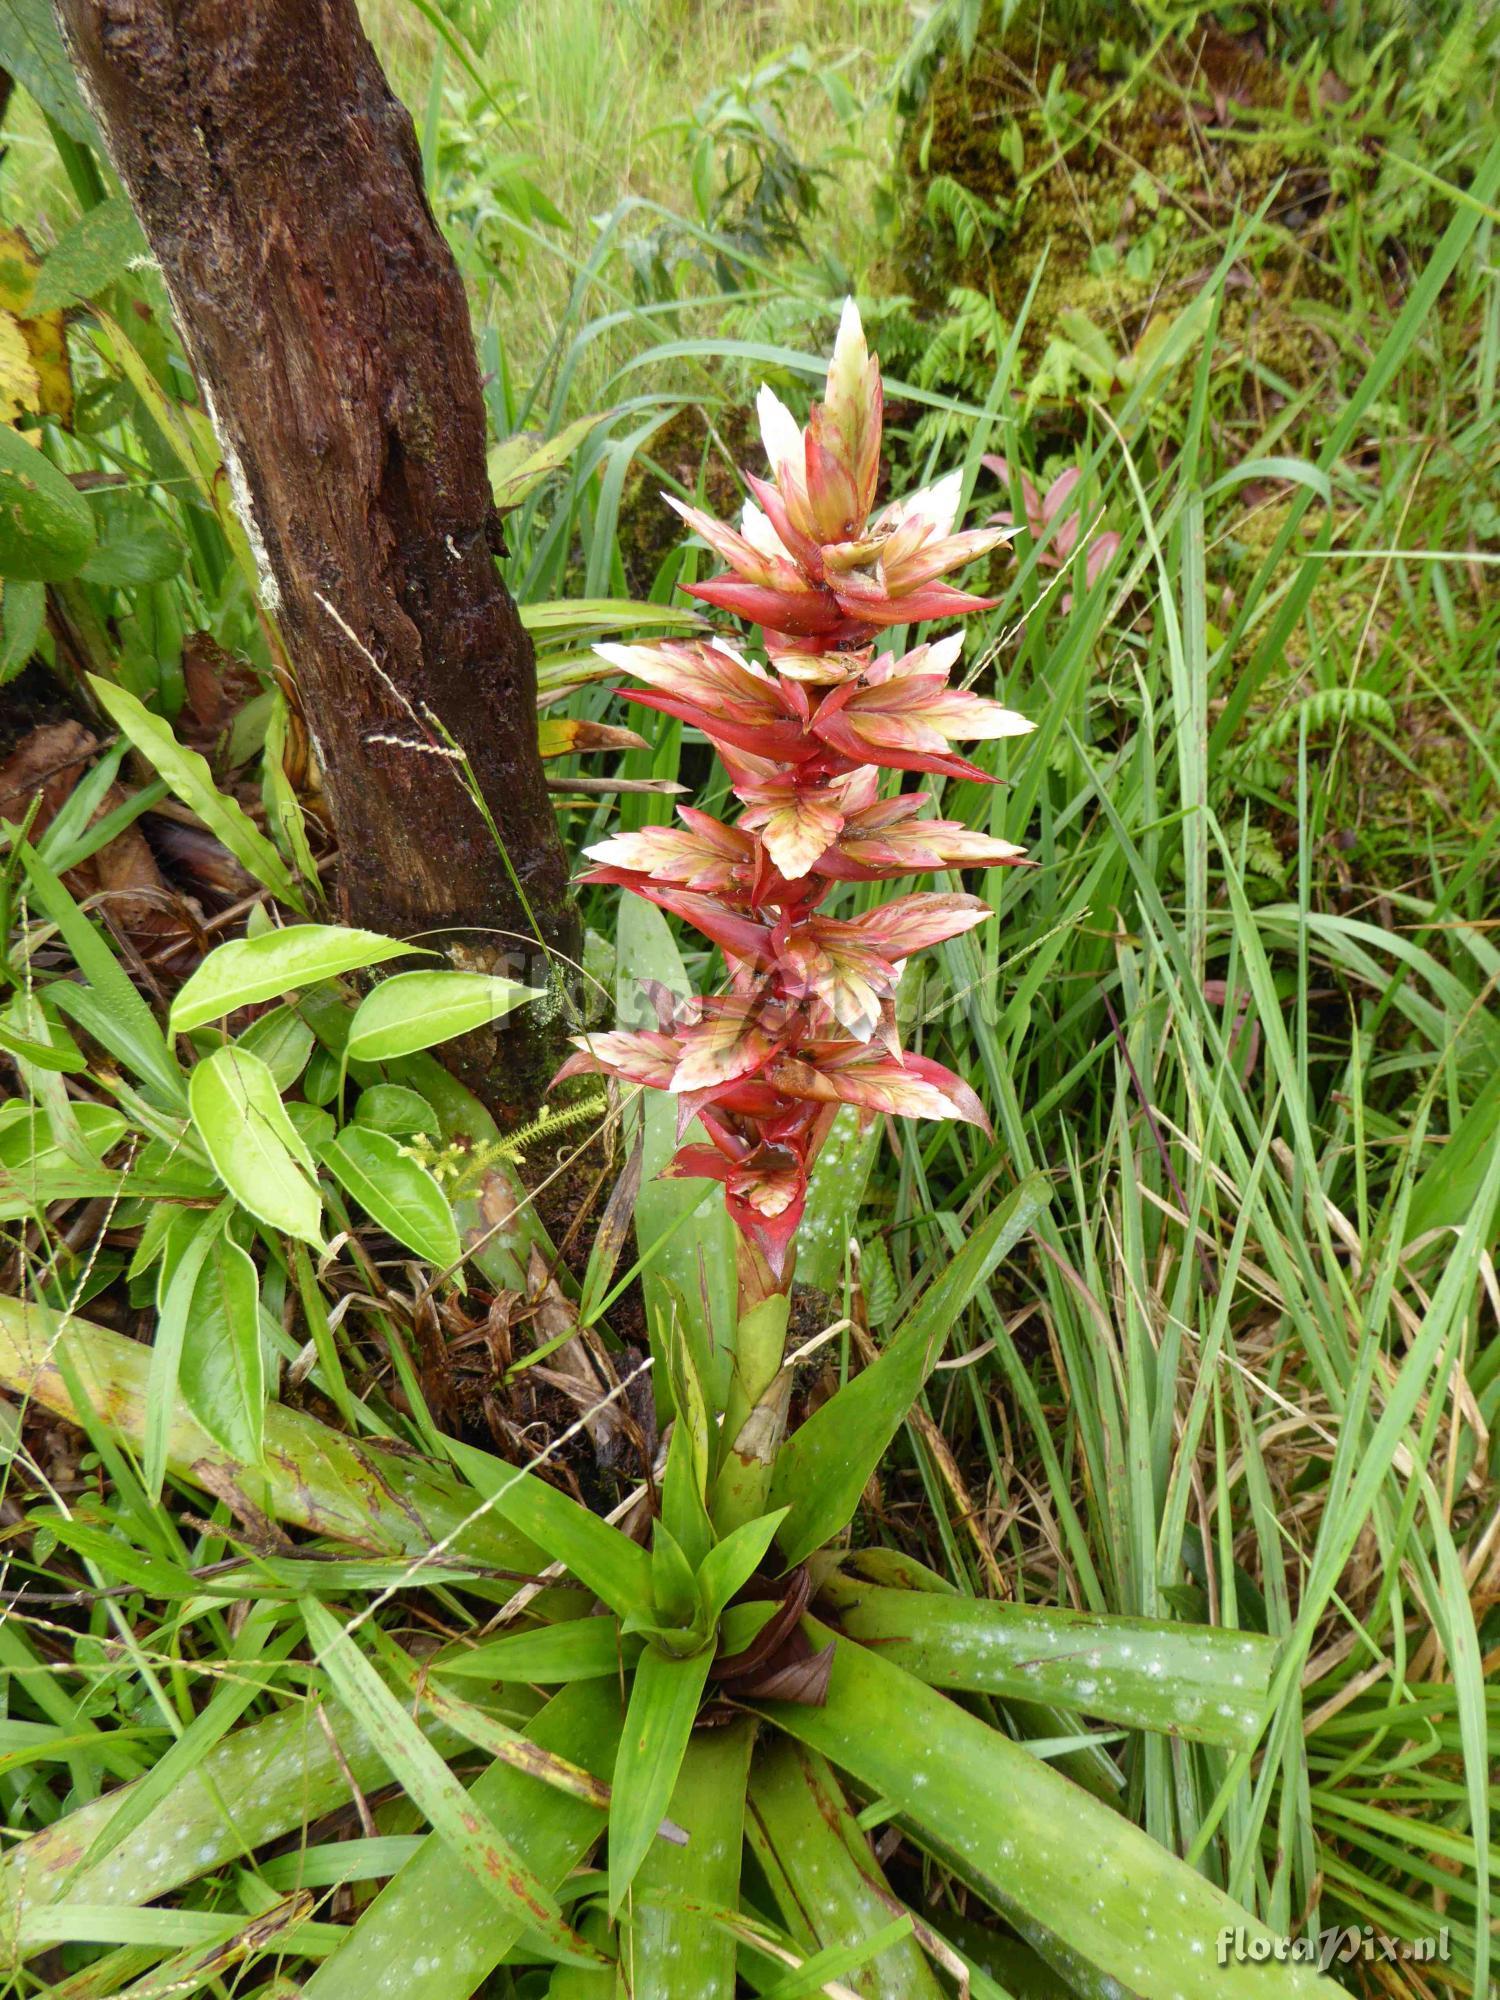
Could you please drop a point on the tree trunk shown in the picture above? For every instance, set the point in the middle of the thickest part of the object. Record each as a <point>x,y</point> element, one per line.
<point>280,185</point>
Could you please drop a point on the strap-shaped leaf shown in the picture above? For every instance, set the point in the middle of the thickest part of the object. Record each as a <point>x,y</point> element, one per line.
<point>675,1951</point>
<point>612,1566</point>
<point>488,1857</point>
<point>1097,1897</point>
<point>802,1831</point>
<point>581,1649</point>
<point>1197,1681</point>
<point>824,1467</point>
<point>664,1699</point>
<point>444,1931</point>
<point>311,1477</point>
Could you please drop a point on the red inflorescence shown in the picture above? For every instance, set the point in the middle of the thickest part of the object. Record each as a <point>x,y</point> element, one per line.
<point>808,1022</point>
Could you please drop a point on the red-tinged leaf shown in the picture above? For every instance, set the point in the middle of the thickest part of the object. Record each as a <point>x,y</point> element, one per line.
<point>800,1827</point>
<point>873,1080</point>
<point>476,1843</point>
<point>869,603</point>
<point>851,975</point>
<point>639,1055</point>
<point>832,501</point>
<point>703,855</point>
<point>796,822</point>
<point>863,854</point>
<point>916,923</point>
<point>808,613</point>
<point>758,734</point>
<point>730,1041</point>
<point>852,408</point>
<point>740,936</point>
<point>743,556</point>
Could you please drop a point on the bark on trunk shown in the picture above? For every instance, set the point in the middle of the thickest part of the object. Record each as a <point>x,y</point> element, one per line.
<point>280,185</point>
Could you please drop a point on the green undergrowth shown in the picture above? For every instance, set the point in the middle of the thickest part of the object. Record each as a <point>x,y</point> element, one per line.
<point>1238,1020</point>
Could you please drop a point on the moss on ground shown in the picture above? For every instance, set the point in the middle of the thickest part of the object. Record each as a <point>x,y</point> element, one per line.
<point>1118,181</point>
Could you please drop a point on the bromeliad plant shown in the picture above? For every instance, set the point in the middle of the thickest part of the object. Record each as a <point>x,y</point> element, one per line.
<point>808,1023</point>
<point>745,1683</point>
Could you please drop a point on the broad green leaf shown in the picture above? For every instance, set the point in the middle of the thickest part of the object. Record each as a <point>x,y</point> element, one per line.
<point>189,1237</point>
<point>664,1699</point>
<point>221,1371</point>
<point>450,1959</point>
<point>391,1107</point>
<point>675,1950</point>
<point>245,971</point>
<point>283,1041</point>
<point>801,1830</point>
<point>1107,1906</point>
<point>90,254</point>
<point>609,1563</point>
<point>23,613</point>
<point>46,525</point>
<point>32,50</point>
<point>579,1649</point>
<point>254,1147</point>
<point>1202,1682</point>
<point>395,1191</point>
<point>190,779</point>
<point>824,1467</point>
<point>132,550</point>
<point>466,1829</point>
<point>415,1010</point>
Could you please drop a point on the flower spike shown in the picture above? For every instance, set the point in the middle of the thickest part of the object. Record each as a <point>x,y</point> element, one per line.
<point>808,1023</point>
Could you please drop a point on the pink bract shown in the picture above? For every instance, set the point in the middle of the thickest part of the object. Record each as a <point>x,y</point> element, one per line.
<point>808,1023</point>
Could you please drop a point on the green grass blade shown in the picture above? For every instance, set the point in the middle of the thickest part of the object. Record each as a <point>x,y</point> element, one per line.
<point>823,1467</point>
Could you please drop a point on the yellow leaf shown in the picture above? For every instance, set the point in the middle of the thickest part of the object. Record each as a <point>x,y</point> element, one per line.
<point>35,378</point>
<point>562,735</point>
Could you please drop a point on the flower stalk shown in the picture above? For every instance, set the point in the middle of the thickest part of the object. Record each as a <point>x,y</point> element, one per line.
<point>807,1022</point>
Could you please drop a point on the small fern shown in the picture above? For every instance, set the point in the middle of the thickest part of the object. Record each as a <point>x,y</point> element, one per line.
<point>1327,709</point>
<point>878,1282</point>
<point>969,218</point>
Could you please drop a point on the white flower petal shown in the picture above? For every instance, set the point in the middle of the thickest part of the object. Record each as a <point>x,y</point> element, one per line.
<point>780,432</point>
<point>935,506</point>
<point>755,526</point>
